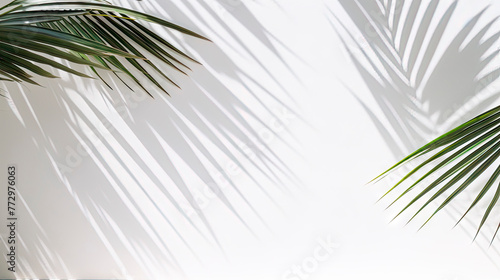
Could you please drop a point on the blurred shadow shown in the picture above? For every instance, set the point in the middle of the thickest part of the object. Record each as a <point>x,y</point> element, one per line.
<point>146,174</point>
<point>422,82</point>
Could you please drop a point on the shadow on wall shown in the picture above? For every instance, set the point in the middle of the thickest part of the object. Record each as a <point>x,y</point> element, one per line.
<point>425,75</point>
<point>143,173</point>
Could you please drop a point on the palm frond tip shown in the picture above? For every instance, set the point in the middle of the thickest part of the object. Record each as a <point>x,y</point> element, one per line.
<point>464,154</point>
<point>91,33</point>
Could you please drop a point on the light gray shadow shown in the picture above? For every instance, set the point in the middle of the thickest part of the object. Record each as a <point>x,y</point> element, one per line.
<point>125,169</point>
<point>422,86</point>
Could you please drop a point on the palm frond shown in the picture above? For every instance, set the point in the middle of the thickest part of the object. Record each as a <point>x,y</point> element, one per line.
<point>93,33</point>
<point>463,154</point>
<point>401,40</point>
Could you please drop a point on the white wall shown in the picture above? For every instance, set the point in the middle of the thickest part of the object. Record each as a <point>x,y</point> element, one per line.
<point>108,179</point>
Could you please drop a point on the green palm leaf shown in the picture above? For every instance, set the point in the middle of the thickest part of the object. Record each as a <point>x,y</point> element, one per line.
<point>93,33</point>
<point>475,148</point>
<point>395,62</point>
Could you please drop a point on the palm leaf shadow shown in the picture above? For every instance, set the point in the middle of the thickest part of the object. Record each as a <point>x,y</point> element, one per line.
<point>140,150</point>
<point>415,85</point>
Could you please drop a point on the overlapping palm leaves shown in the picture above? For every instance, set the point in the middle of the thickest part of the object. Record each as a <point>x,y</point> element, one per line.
<point>416,97</point>
<point>92,33</point>
<point>476,146</point>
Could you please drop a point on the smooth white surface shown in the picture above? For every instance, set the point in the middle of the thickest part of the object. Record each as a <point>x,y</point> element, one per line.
<point>82,224</point>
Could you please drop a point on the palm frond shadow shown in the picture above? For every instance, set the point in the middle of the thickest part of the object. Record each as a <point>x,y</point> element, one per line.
<point>149,205</point>
<point>411,72</point>
<point>239,11</point>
